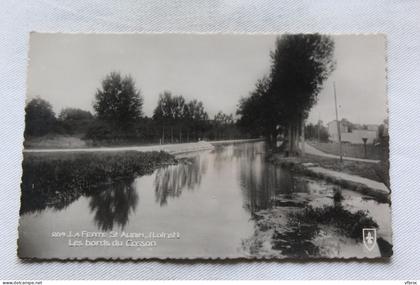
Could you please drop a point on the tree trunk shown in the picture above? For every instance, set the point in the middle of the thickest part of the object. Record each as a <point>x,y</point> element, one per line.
<point>303,137</point>
<point>296,136</point>
<point>293,136</point>
<point>274,139</point>
<point>290,138</point>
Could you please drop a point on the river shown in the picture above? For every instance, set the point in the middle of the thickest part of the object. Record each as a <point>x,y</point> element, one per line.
<point>212,204</point>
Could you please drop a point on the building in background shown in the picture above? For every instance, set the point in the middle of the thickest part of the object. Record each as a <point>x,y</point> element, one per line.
<point>352,133</point>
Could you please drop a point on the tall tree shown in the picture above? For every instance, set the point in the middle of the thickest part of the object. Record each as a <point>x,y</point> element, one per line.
<point>282,101</point>
<point>39,119</point>
<point>194,110</point>
<point>300,64</point>
<point>223,119</point>
<point>169,113</point>
<point>223,125</point>
<point>118,102</point>
<point>175,113</point>
<point>169,107</point>
<point>195,119</point>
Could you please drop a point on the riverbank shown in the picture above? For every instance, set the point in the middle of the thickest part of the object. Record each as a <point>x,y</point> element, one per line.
<point>327,215</point>
<point>358,176</point>
<point>332,229</point>
<point>226,142</point>
<point>58,178</point>
<point>169,148</point>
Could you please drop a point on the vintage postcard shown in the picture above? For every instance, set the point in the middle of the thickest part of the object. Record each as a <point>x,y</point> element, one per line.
<point>205,146</point>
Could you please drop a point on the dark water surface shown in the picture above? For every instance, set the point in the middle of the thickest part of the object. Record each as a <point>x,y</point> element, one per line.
<point>206,206</point>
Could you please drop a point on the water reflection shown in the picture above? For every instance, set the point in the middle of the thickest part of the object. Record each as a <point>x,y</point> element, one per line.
<point>113,205</point>
<point>261,182</point>
<point>233,204</point>
<point>36,202</point>
<point>172,180</point>
<point>222,155</point>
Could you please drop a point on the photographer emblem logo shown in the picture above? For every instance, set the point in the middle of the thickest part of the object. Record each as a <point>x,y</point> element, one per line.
<point>369,238</point>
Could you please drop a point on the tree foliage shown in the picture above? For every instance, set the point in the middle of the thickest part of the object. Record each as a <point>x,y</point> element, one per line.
<point>194,111</point>
<point>187,119</point>
<point>118,102</point>
<point>169,108</point>
<point>74,114</point>
<point>73,120</point>
<point>223,119</point>
<point>255,112</point>
<point>300,64</point>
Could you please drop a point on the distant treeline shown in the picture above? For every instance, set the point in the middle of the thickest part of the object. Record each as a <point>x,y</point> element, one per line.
<point>118,118</point>
<point>316,132</point>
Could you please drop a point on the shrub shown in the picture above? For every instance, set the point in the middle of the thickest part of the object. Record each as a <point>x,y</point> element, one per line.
<point>39,118</point>
<point>351,224</point>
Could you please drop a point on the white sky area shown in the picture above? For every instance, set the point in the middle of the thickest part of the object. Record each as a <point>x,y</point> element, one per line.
<point>67,69</point>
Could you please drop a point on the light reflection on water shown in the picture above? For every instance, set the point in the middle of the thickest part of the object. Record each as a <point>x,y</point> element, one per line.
<point>211,198</point>
<point>172,180</point>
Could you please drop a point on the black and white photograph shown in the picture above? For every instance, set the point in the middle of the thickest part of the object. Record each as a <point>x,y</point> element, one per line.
<point>205,146</point>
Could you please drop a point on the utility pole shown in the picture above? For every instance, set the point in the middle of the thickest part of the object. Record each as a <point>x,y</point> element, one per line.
<point>319,127</point>
<point>338,124</point>
<point>364,146</point>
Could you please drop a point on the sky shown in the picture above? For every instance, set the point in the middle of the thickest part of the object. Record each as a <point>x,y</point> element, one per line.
<point>67,69</point>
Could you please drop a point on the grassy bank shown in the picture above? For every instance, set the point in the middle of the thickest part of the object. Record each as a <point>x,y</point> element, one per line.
<point>57,179</point>
<point>55,141</point>
<point>350,150</point>
<point>377,172</point>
